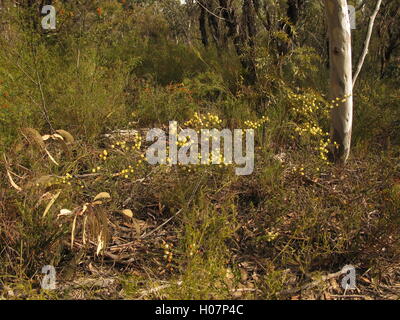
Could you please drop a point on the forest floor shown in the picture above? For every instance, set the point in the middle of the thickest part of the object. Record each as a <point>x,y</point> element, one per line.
<point>282,233</point>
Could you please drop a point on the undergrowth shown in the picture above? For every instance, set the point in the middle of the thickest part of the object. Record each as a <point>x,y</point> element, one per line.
<point>76,191</point>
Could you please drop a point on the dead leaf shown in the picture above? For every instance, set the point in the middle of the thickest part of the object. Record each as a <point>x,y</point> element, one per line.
<point>102,195</point>
<point>127,212</point>
<point>65,212</point>
<point>84,229</point>
<point>51,157</point>
<point>84,209</point>
<point>73,232</point>
<point>53,199</point>
<point>69,139</point>
<point>100,242</point>
<point>12,181</point>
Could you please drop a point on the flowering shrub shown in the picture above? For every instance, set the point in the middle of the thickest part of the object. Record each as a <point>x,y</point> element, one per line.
<point>309,113</point>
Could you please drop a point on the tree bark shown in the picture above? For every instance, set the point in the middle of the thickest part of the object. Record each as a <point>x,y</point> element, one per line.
<point>341,82</point>
<point>203,28</point>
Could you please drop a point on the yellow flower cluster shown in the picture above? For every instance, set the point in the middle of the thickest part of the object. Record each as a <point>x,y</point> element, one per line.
<point>125,172</point>
<point>138,141</point>
<point>168,255</point>
<point>314,130</point>
<point>308,110</point>
<point>198,122</point>
<point>120,144</point>
<point>305,105</point>
<point>125,146</point>
<point>299,170</point>
<point>256,124</point>
<point>336,102</point>
<point>66,179</point>
<point>203,121</point>
<point>183,141</point>
<point>271,235</point>
<point>103,155</point>
<point>193,249</point>
<point>189,168</point>
<point>215,156</point>
<point>323,149</point>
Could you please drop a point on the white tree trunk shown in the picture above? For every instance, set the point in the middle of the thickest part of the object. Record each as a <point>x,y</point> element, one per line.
<point>341,82</point>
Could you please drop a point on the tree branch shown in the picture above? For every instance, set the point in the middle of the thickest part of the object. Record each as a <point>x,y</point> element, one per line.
<point>367,41</point>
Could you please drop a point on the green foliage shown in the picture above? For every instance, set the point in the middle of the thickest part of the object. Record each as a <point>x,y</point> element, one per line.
<point>185,232</point>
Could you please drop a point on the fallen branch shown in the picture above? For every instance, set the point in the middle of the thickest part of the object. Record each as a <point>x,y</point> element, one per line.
<point>315,283</point>
<point>160,226</point>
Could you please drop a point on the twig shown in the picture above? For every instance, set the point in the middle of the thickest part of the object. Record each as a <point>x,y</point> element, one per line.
<point>44,107</point>
<point>308,179</point>
<point>156,289</point>
<point>348,296</point>
<point>160,226</point>
<point>315,283</point>
<point>210,12</point>
<point>168,220</point>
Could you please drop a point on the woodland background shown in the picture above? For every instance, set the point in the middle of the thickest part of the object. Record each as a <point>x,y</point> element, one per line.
<point>76,193</point>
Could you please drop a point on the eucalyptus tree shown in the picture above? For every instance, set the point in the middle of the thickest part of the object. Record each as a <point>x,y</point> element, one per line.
<point>341,77</point>
<point>342,80</point>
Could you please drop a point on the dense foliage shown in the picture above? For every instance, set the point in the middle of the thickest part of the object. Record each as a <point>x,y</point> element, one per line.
<point>77,193</point>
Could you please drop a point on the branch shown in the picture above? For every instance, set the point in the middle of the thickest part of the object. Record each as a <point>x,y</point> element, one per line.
<point>360,5</point>
<point>367,41</point>
<point>209,11</point>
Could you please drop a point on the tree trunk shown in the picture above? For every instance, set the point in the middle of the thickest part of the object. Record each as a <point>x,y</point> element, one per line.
<point>341,82</point>
<point>203,28</point>
<point>293,11</point>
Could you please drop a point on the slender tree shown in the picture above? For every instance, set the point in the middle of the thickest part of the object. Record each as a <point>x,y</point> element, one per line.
<point>367,41</point>
<point>341,80</point>
<point>389,34</point>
